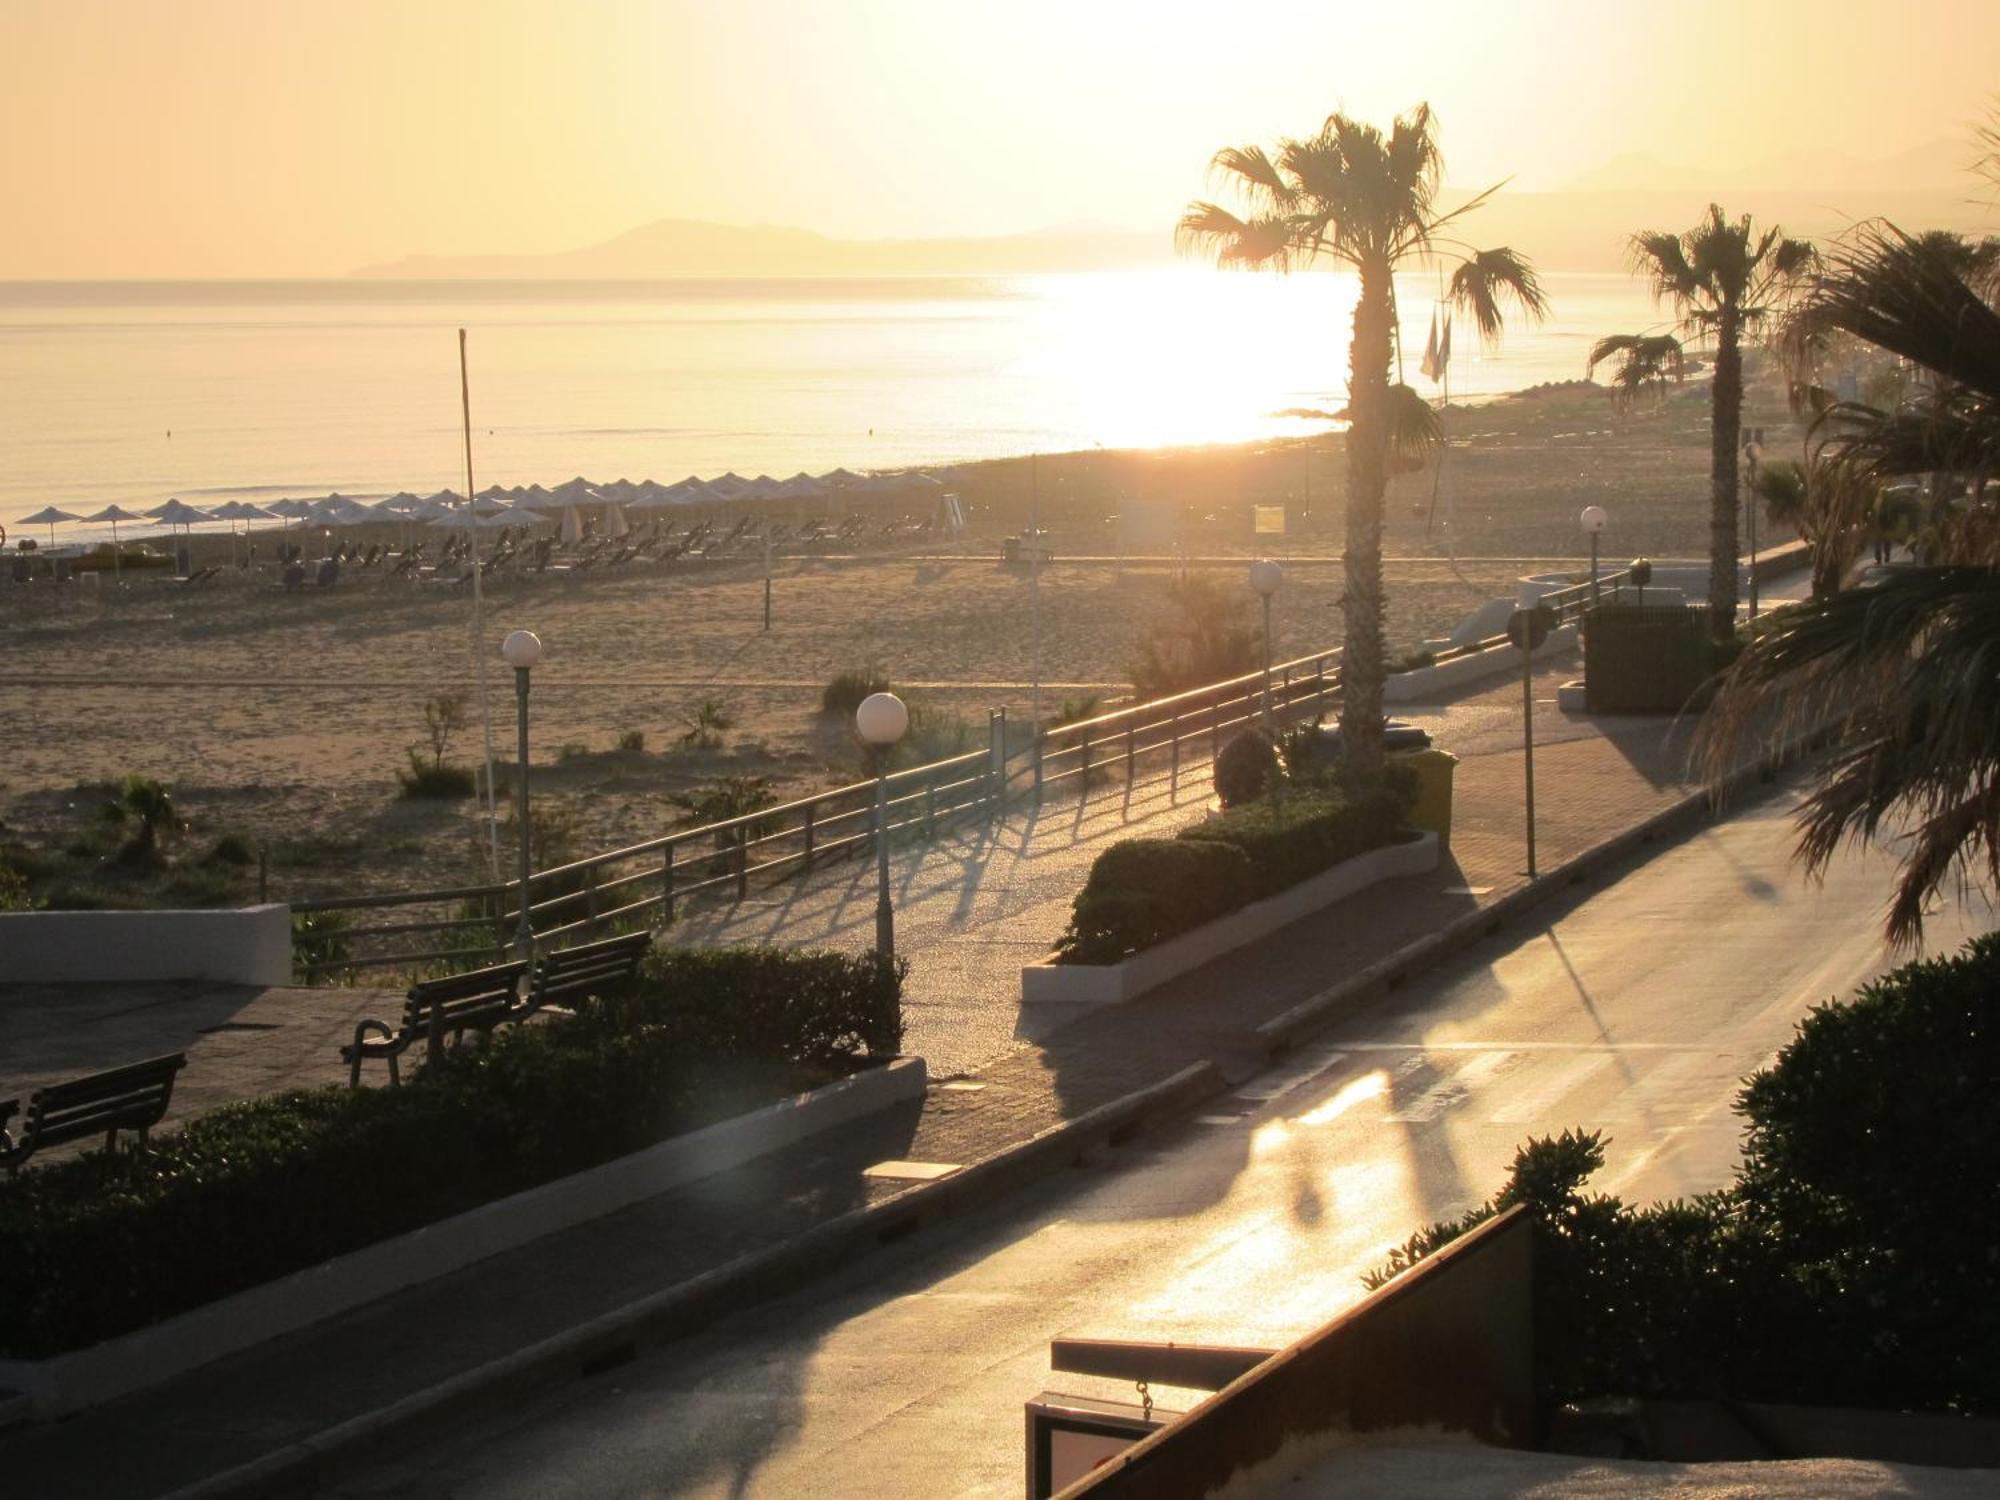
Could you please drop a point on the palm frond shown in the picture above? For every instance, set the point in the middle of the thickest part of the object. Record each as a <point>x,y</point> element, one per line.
<point>1208,229</point>
<point>1255,175</point>
<point>1414,430</point>
<point>1479,284</point>
<point>1907,672</point>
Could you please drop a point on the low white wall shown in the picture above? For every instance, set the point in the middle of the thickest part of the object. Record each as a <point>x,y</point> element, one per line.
<point>245,945</point>
<point>1428,682</point>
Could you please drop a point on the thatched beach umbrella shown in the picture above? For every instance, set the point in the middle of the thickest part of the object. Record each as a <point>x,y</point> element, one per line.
<point>47,516</point>
<point>114,514</point>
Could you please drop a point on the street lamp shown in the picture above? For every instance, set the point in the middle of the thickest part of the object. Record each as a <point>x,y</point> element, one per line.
<point>1265,576</point>
<point>1594,520</point>
<point>1753,449</point>
<point>881,721</point>
<point>521,650</point>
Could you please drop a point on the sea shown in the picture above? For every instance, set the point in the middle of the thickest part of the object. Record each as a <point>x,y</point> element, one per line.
<point>137,392</point>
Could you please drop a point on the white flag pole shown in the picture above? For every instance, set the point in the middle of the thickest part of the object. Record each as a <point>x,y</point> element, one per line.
<point>478,624</point>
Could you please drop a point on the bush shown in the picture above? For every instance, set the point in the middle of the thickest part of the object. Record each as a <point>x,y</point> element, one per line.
<point>1245,768</point>
<point>845,690</point>
<point>1143,891</point>
<point>633,740</point>
<point>440,780</point>
<point>1309,834</point>
<point>707,725</point>
<point>1850,1263</point>
<point>320,937</point>
<point>572,750</point>
<point>1204,640</point>
<point>808,1008</point>
<point>14,890</point>
<point>100,1244</point>
<point>232,849</point>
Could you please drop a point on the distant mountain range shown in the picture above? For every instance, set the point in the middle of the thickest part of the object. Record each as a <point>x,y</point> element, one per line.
<point>1584,227</point>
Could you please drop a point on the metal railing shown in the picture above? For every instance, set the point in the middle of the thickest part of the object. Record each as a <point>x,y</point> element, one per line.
<point>642,882</point>
<point>1066,753</point>
<point>464,925</point>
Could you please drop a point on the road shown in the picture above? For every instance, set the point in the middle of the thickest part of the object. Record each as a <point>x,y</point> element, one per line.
<point>1635,1008</point>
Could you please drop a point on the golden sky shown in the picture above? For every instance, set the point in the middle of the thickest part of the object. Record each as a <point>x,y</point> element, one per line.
<point>306,137</point>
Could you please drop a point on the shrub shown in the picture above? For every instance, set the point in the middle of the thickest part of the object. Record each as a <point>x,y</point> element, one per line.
<point>731,797</point>
<point>633,740</point>
<point>442,781</point>
<point>152,806</point>
<point>1245,768</point>
<point>444,717</point>
<point>1288,844</point>
<point>14,890</point>
<point>107,1242</point>
<point>572,750</point>
<point>231,849</point>
<point>845,690</point>
<point>1850,1263</point>
<point>1203,641</point>
<point>707,725</point>
<point>320,937</point>
<point>1144,891</point>
<point>934,734</point>
<point>762,1002</point>
<point>1412,661</point>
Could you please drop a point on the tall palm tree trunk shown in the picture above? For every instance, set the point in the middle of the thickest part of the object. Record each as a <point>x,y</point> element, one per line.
<point>1367,482</point>
<point>1725,426</point>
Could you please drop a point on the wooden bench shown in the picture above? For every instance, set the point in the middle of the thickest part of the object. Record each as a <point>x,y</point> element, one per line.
<point>436,1009</point>
<point>134,1097</point>
<point>565,975</point>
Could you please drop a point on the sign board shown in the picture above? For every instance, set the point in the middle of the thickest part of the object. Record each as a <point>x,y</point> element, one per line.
<point>1268,520</point>
<point>1528,628</point>
<point>1148,524</point>
<point>1069,1436</point>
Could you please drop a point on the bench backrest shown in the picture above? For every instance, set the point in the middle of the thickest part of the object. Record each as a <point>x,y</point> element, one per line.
<point>477,997</point>
<point>134,1097</point>
<point>589,968</point>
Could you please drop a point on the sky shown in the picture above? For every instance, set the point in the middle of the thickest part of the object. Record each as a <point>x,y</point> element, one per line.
<point>308,137</point>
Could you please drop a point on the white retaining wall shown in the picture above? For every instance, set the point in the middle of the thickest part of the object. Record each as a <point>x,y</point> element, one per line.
<point>246,945</point>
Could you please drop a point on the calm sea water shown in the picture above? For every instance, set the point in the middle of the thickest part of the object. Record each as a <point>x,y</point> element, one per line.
<point>136,392</point>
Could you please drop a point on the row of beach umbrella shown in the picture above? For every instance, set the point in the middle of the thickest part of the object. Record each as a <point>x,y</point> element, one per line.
<point>496,506</point>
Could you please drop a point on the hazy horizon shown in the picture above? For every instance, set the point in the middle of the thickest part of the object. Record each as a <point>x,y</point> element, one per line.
<point>221,139</point>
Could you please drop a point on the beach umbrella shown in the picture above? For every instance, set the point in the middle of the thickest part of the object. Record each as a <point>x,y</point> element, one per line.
<point>473,520</point>
<point>401,504</point>
<point>47,516</point>
<point>572,526</point>
<point>839,478</point>
<point>340,510</point>
<point>802,486</point>
<point>615,522</point>
<point>175,513</point>
<point>728,486</point>
<point>114,514</point>
<point>291,510</point>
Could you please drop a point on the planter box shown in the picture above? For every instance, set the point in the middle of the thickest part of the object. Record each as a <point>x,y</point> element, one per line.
<point>149,1356</point>
<point>1051,983</point>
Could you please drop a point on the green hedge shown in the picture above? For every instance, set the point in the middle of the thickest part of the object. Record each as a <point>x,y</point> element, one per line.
<point>1853,1261</point>
<point>1143,891</point>
<point>98,1245</point>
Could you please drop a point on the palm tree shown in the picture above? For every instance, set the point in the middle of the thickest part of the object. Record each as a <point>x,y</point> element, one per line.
<point>1721,279</point>
<point>1833,509</point>
<point>1360,199</point>
<point>1904,669</point>
<point>1644,360</point>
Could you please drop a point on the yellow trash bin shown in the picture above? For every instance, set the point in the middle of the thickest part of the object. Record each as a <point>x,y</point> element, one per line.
<point>1432,811</point>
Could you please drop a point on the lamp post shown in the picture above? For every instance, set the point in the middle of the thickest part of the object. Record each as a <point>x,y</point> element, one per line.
<point>881,721</point>
<point>1265,577</point>
<point>1593,520</point>
<point>1753,450</point>
<point>521,650</point>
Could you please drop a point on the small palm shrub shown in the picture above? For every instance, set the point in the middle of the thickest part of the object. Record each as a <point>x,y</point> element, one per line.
<point>707,725</point>
<point>844,691</point>
<point>1246,768</point>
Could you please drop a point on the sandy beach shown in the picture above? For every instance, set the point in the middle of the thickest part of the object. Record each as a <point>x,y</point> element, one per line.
<point>283,719</point>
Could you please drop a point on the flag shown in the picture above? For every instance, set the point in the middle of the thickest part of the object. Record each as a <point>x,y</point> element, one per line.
<point>1444,349</point>
<point>1430,366</point>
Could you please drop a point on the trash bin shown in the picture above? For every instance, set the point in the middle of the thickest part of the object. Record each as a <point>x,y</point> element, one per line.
<point>1432,811</point>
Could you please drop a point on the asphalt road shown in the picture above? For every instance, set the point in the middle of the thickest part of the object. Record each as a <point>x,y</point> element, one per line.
<point>1634,1008</point>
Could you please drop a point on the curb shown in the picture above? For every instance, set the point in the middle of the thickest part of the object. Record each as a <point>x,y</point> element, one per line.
<point>1335,1003</point>
<point>619,1336</point>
